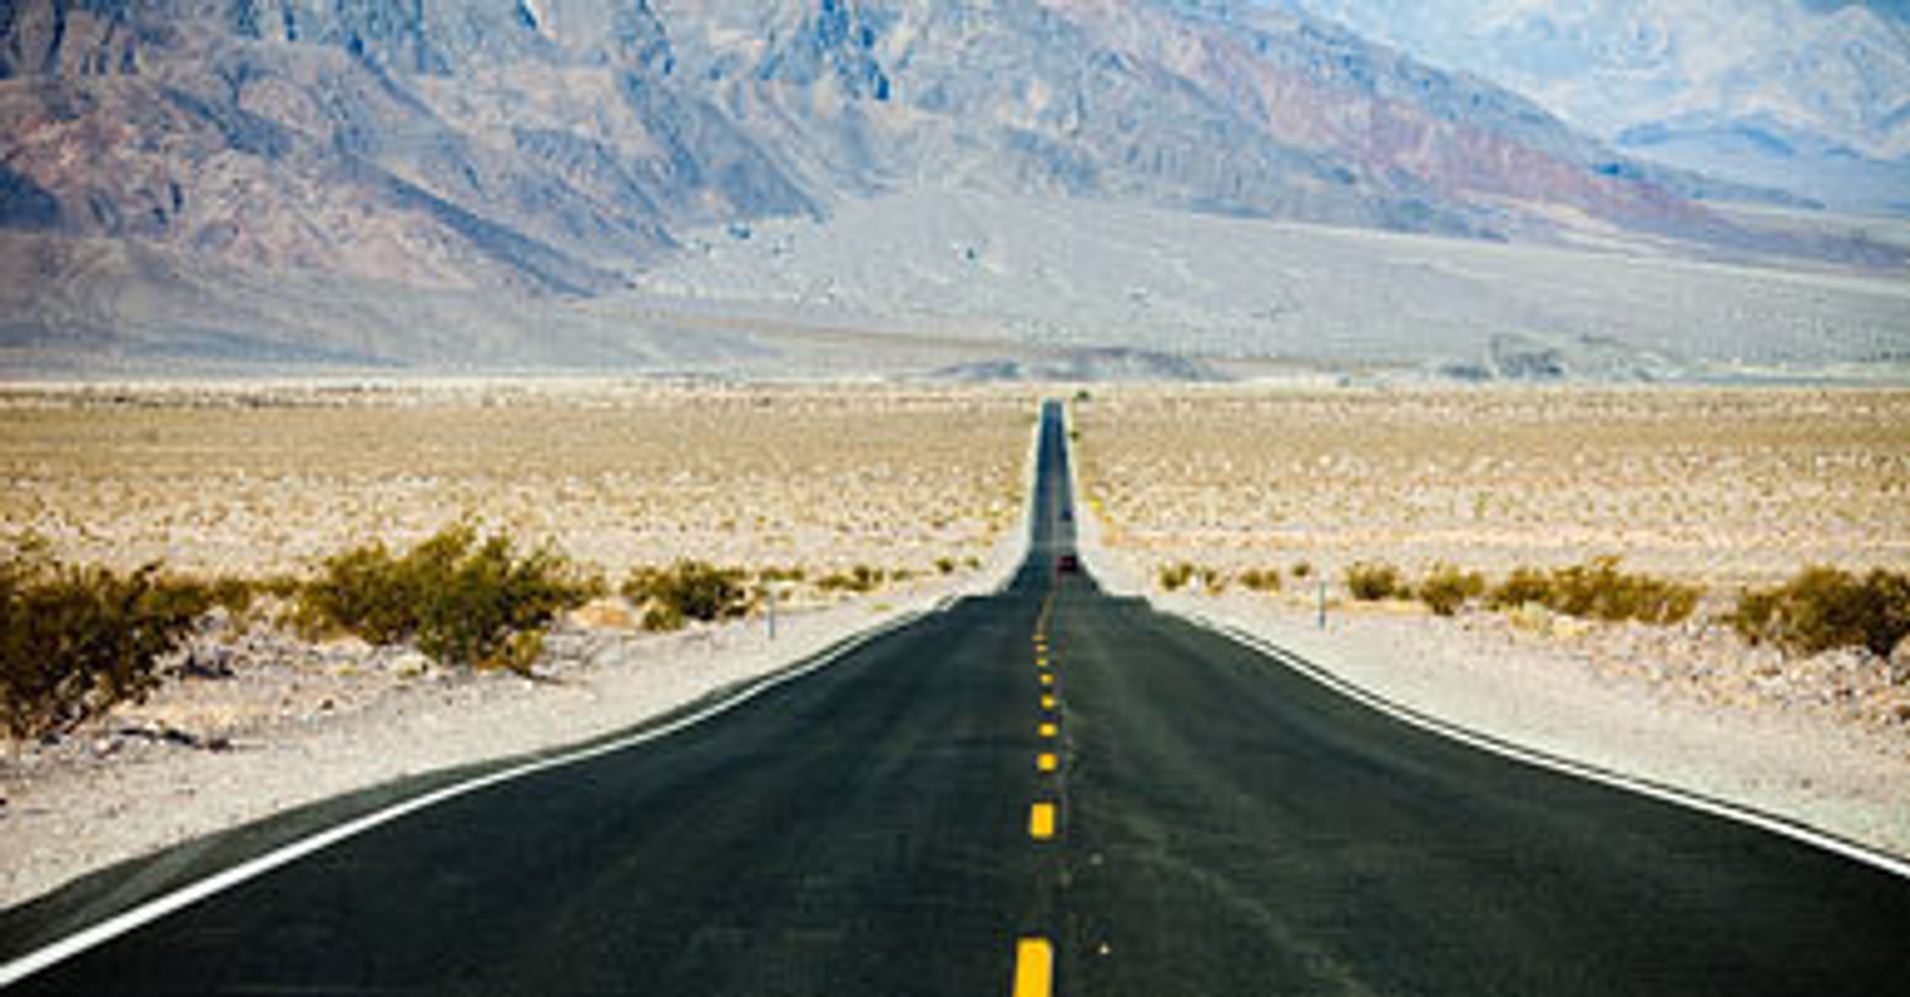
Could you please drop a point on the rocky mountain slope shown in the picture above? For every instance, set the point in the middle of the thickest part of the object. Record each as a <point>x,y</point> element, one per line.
<point>1809,95</point>
<point>560,149</point>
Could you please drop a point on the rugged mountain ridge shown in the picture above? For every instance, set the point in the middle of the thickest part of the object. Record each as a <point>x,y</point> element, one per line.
<point>1808,95</point>
<point>562,147</point>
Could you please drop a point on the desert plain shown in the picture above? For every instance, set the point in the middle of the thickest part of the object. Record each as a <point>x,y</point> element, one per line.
<point>1721,487</point>
<point>259,481</point>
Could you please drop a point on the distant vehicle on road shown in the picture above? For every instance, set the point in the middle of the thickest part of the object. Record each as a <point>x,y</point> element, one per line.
<point>1067,564</point>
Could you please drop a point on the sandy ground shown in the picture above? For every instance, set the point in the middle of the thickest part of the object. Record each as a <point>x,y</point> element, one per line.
<point>256,480</point>
<point>1627,699</point>
<point>1719,487</point>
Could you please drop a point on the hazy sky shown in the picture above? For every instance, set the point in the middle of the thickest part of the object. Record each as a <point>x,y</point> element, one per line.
<point>1899,9</point>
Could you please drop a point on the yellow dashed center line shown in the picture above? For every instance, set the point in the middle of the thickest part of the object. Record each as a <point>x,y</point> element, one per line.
<point>1034,956</point>
<point>1034,968</point>
<point>1041,820</point>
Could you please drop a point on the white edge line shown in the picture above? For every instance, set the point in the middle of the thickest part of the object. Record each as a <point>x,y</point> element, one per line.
<point>1030,478</point>
<point>1592,773</point>
<point>152,910</point>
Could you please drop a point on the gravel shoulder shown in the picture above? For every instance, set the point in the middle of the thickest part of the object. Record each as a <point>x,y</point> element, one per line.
<point>1607,698</point>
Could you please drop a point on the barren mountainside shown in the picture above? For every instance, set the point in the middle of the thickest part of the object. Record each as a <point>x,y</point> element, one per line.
<point>563,147</point>
<point>1809,95</point>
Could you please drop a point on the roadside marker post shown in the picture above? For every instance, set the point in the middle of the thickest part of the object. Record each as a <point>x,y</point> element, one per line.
<point>769,608</point>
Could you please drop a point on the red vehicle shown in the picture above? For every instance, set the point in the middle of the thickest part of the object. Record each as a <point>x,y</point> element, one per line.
<point>1067,564</point>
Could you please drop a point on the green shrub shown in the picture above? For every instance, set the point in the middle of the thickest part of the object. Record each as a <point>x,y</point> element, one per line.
<point>1373,581</point>
<point>1174,577</point>
<point>1823,608</point>
<point>75,641</point>
<point>1303,569</point>
<point>945,565</point>
<point>366,591</point>
<point>1598,590</point>
<point>1258,580</point>
<point>463,600</point>
<point>687,590</point>
<point>1445,589</point>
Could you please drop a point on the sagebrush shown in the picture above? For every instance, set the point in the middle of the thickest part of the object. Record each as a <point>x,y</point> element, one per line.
<point>1824,608</point>
<point>74,641</point>
<point>691,590</point>
<point>1371,581</point>
<point>1446,589</point>
<point>463,599</point>
<point>1598,590</point>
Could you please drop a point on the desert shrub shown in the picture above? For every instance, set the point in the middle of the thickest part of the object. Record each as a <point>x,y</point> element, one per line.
<point>1445,588</point>
<point>1524,587</point>
<point>1373,581</point>
<point>1174,577</point>
<point>74,641</point>
<point>368,591</point>
<point>1823,608</point>
<point>860,580</point>
<point>1598,590</point>
<point>1303,569</point>
<point>945,565</point>
<point>1259,580</point>
<point>464,601</point>
<point>687,590</point>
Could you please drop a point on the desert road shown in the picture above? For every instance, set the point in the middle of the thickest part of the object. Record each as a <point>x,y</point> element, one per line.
<point>1048,790</point>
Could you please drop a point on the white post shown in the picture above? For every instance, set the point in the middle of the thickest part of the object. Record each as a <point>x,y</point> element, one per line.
<point>769,616</point>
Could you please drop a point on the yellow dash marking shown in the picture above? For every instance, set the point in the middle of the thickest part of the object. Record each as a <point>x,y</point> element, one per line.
<point>1041,661</point>
<point>1034,968</point>
<point>1047,680</point>
<point>1046,762</point>
<point>1047,730</point>
<point>1047,702</point>
<point>1041,821</point>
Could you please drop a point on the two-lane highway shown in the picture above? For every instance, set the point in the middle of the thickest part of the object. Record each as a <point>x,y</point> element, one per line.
<point>1045,790</point>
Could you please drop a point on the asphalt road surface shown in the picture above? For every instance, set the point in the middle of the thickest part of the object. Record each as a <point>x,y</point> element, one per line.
<point>1185,816</point>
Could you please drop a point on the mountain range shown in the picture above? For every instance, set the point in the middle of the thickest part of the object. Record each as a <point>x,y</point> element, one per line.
<point>1812,96</point>
<point>164,161</point>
